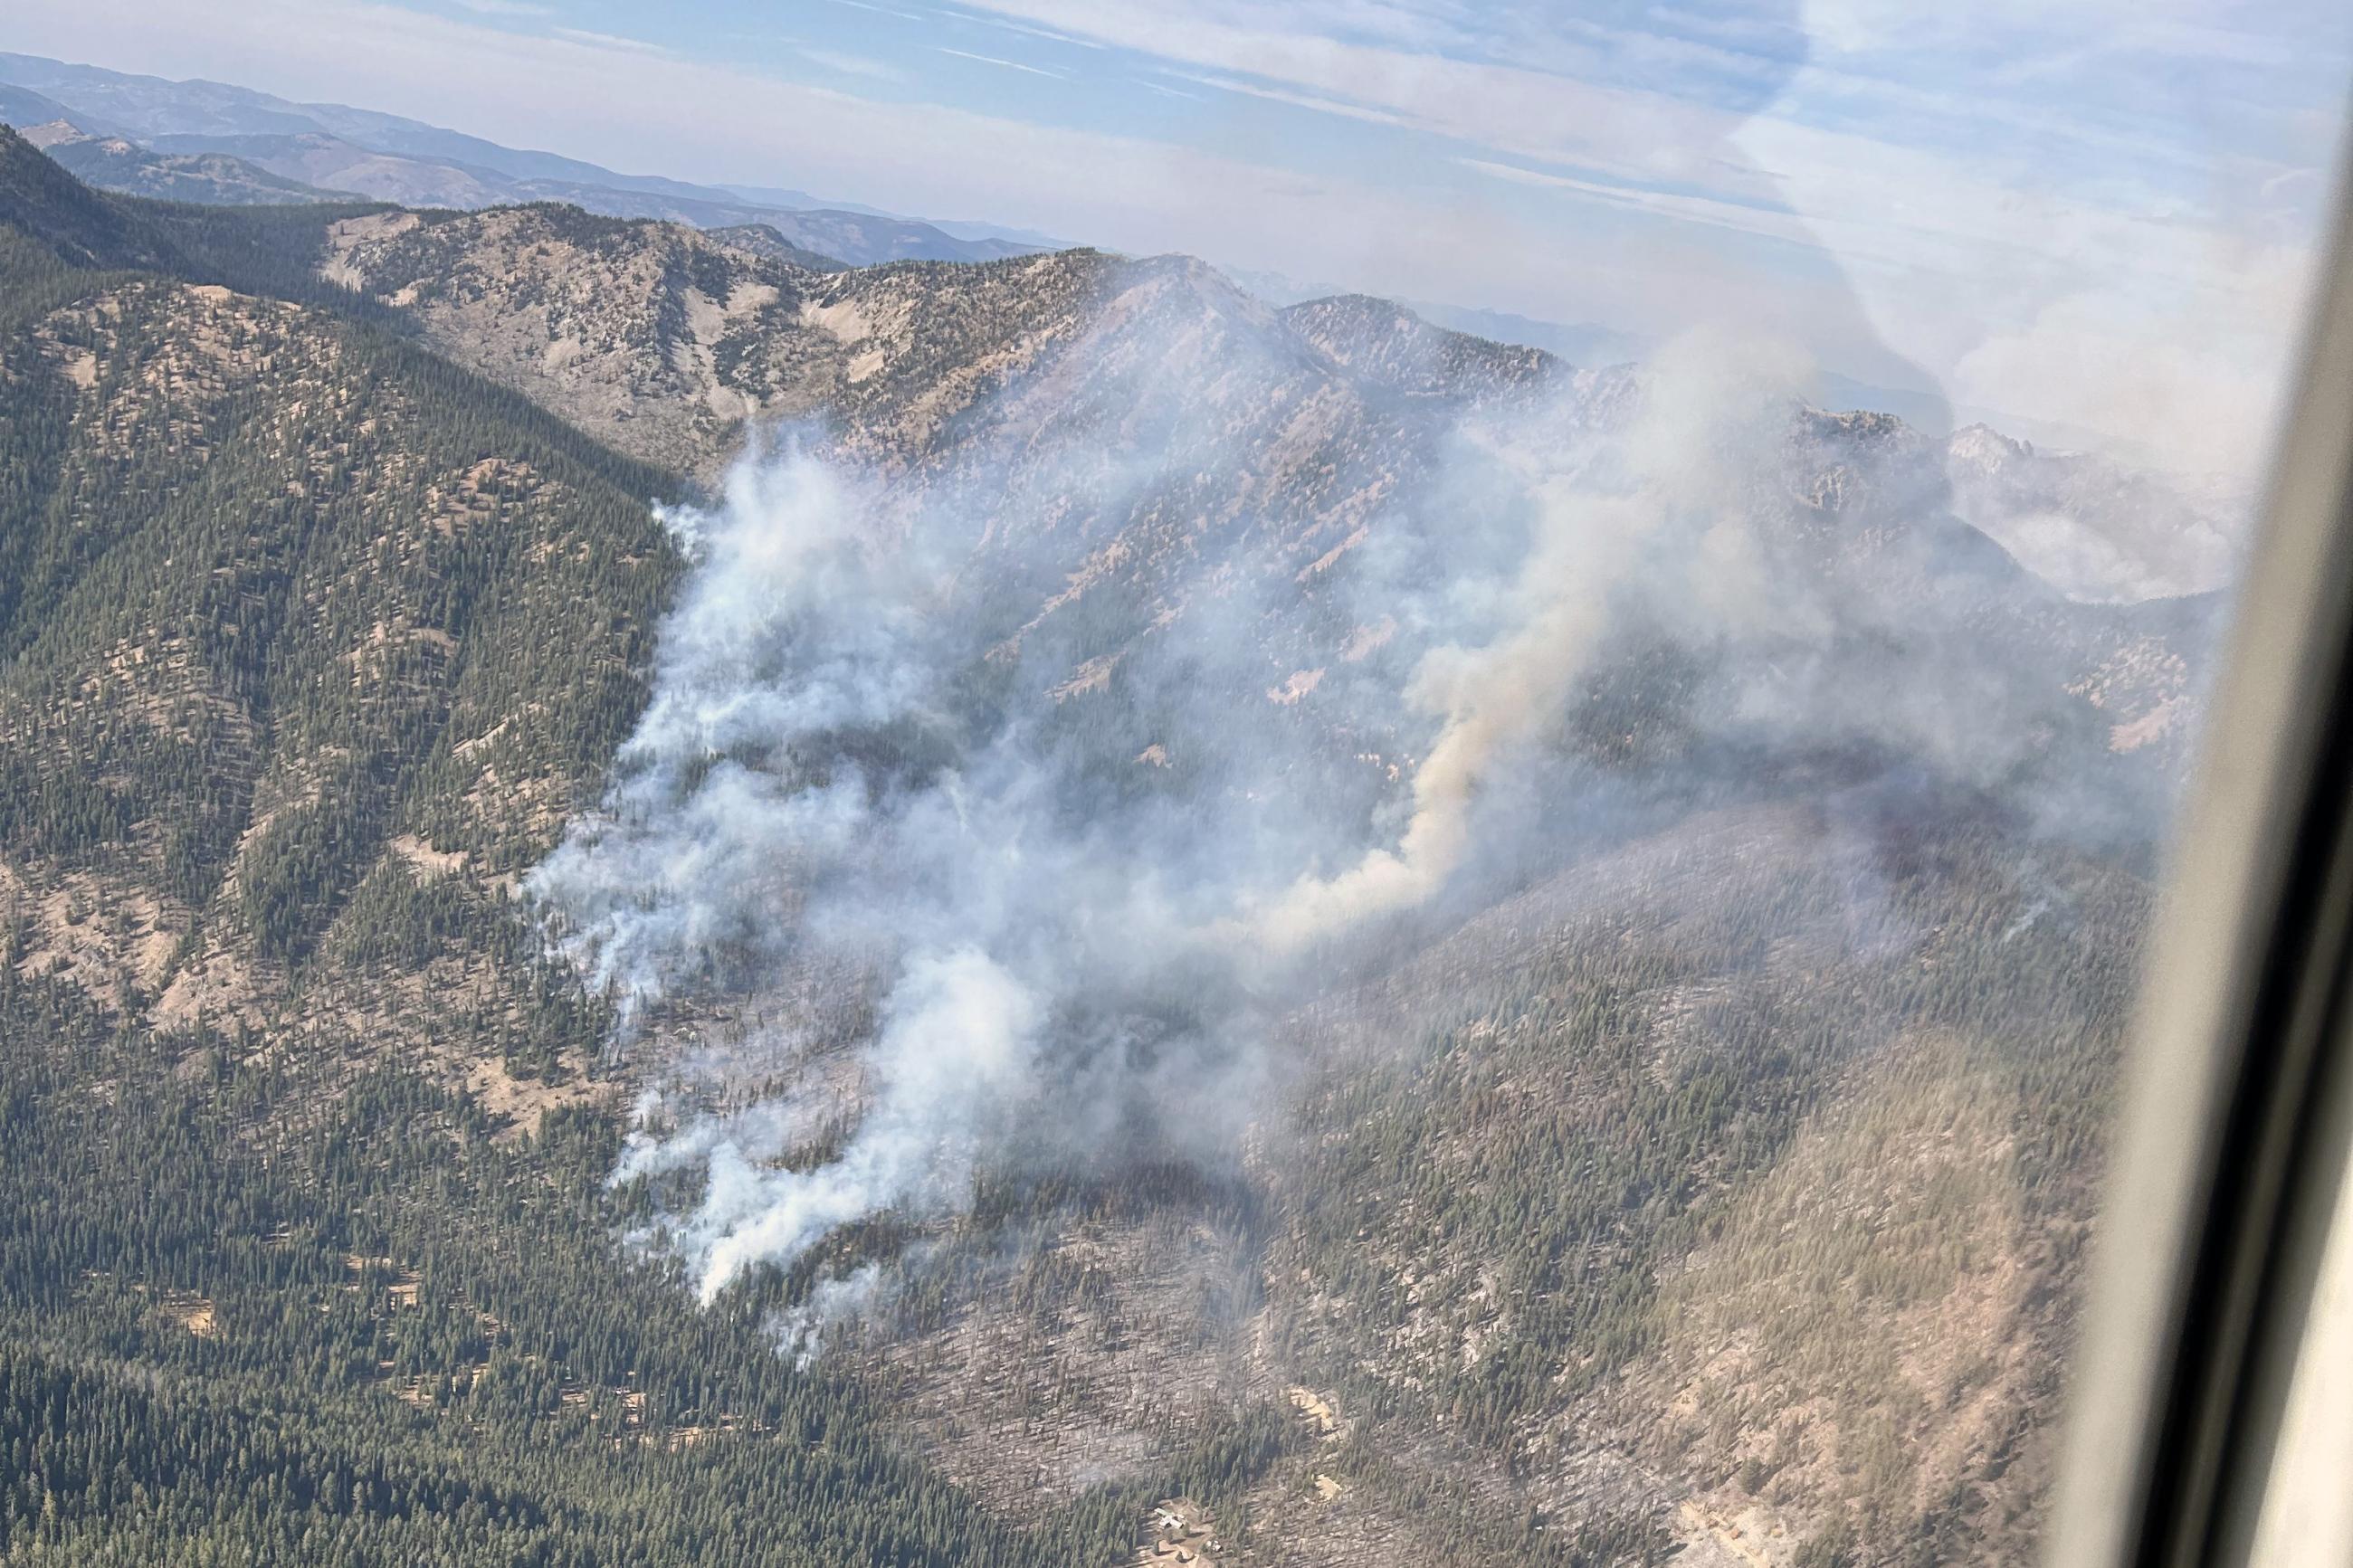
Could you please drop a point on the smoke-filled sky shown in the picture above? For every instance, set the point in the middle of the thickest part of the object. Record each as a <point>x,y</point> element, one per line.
<point>2094,217</point>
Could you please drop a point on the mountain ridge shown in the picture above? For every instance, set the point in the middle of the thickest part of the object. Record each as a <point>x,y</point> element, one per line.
<point>210,178</point>
<point>2031,490</point>
<point>334,611</point>
<point>390,157</point>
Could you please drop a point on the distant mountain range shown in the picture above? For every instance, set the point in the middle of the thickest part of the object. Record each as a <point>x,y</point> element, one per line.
<point>216,179</point>
<point>210,142</point>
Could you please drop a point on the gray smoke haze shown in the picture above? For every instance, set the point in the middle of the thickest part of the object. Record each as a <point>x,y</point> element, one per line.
<point>1713,418</point>
<point>1018,795</point>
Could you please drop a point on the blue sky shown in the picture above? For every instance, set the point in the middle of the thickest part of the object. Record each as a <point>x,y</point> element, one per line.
<point>2097,216</point>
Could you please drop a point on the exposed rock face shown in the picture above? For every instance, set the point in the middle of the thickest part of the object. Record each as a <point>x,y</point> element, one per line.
<point>664,341</point>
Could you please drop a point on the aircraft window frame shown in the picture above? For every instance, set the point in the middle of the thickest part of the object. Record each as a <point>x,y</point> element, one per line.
<point>2238,1097</point>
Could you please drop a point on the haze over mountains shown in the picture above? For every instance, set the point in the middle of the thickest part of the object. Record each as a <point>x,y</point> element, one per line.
<point>1026,911</point>
<point>334,149</point>
<point>250,141</point>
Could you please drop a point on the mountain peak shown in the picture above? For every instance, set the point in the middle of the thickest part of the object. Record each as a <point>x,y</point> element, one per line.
<point>1985,445</point>
<point>1382,341</point>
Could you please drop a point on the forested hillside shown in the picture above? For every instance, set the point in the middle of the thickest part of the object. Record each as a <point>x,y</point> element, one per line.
<point>115,164</point>
<point>310,642</point>
<point>1707,1181</point>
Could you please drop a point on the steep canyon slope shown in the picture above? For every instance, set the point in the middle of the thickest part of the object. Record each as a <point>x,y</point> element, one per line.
<point>1706,1164</point>
<point>1137,448</point>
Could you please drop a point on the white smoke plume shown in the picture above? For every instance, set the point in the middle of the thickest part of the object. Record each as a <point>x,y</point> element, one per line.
<point>804,1327</point>
<point>804,814</point>
<point>961,1035</point>
<point>1716,413</point>
<point>984,886</point>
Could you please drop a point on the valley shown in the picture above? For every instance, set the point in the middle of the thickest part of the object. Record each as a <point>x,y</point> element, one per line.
<point>410,886</point>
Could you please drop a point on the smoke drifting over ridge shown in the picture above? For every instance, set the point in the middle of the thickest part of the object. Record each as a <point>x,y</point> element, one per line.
<point>1024,806</point>
<point>1715,419</point>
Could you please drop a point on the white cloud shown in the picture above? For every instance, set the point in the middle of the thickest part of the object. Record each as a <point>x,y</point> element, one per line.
<point>1769,222</point>
<point>883,10</point>
<point>2264,33</point>
<point>1296,100</point>
<point>1530,113</point>
<point>849,64</point>
<point>998,60</point>
<point>611,41</point>
<point>1005,25</point>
